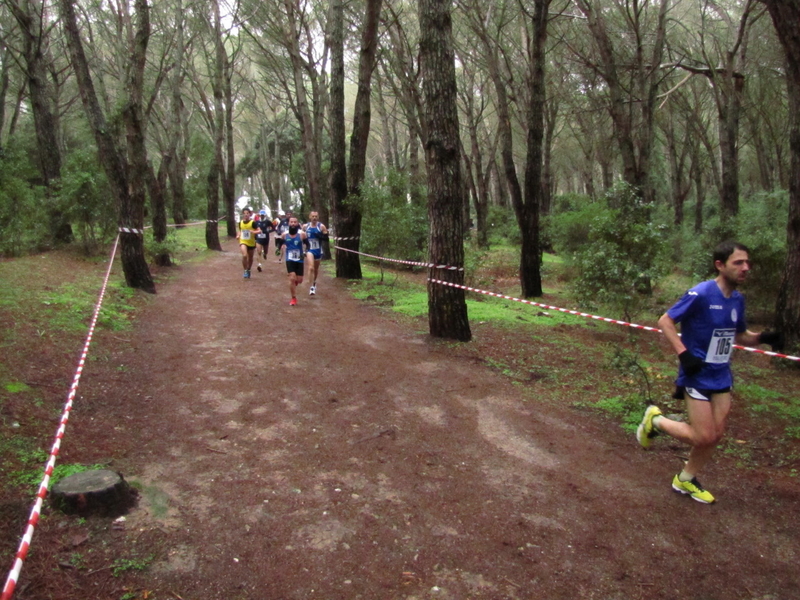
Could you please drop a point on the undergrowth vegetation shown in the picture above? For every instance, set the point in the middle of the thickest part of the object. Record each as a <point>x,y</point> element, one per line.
<point>609,370</point>
<point>552,356</point>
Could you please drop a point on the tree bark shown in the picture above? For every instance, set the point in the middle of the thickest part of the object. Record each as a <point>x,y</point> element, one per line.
<point>212,208</point>
<point>157,184</point>
<point>34,29</point>
<point>530,274</point>
<point>631,98</point>
<point>32,25</point>
<point>218,90</point>
<point>229,173</point>
<point>304,114</point>
<point>447,307</point>
<point>5,59</point>
<point>348,265</point>
<point>179,141</point>
<point>786,18</point>
<point>126,181</point>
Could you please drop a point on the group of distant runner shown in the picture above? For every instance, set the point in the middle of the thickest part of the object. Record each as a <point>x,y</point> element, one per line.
<point>299,246</point>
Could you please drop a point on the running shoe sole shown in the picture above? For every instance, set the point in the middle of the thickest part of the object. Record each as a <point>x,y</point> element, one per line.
<point>646,431</point>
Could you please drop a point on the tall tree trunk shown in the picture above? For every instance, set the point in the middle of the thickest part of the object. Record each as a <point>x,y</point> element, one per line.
<point>124,186</point>
<point>219,115</point>
<point>389,155</point>
<point>447,307</point>
<point>416,178</point>
<point>5,59</point>
<point>229,174</point>
<point>729,150</point>
<point>304,115</point>
<point>350,217</point>
<point>631,102</point>
<point>212,207</point>
<point>133,119</point>
<point>157,185</point>
<point>33,27</point>
<point>178,142</point>
<point>177,177</point>
<point>786,18</point>
<point>476,173</point>
<point>348,265</point>
<point>766,166</point>
<point>512,187</point>
<point>699,198</point>
<point>530,274</point>
<point>548,183</point>
<point>32,24</point>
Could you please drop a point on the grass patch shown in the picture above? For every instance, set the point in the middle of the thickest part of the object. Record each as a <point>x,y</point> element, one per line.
<point>15,387</point>
<point>188,244</point>
<point>33,477</point>
<point>138,563</point>
<point>763,401</point>
<point>411,299</point>
<point>59,300</point>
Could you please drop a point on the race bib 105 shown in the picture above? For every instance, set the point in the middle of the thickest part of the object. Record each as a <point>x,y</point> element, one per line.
<point>721,346</point>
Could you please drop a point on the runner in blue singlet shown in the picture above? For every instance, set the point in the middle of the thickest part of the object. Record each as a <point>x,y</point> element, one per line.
<point>316,232</point>
<point>281,226</point>
<point>712,320</point>
<point>262,237</point>
<point>292,251</point>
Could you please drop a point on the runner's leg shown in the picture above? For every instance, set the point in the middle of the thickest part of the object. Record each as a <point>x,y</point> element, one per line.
<point>711,418</point>
<point>312,276</point>
<point>251,250</point>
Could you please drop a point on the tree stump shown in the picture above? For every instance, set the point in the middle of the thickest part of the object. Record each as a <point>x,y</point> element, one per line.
<point>101,492</point>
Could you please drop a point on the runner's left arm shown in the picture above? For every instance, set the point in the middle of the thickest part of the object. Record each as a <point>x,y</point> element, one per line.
<point>748,338</point>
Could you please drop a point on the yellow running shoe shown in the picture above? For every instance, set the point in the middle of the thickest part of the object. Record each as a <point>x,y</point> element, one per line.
<point>646,430</point>
<point>693,489</point>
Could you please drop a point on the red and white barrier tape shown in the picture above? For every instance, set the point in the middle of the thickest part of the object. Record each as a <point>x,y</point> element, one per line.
<point>22,552</point>
<point>141,232</point>
<point>188,224</point>
<point>595,317</point>
<point>403,262</point>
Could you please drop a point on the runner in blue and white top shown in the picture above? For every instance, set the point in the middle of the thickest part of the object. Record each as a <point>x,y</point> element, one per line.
<point>262,237</point>
<point>710,323</point>
<point>281,226</point>
<point>316,232</point>
<point>712,320</point>
<point>292,251</point>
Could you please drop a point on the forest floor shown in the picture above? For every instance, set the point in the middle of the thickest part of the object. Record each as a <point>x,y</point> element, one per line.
<point>334,450</point>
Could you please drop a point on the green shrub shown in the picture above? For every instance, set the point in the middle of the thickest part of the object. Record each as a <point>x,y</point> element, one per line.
<point>569,230</point>
<point>22,206</point>
<point>623,254</point>
<point>87,201</point>
<point>502,225</point>
<point>171,245</point>
<point>391,226</point>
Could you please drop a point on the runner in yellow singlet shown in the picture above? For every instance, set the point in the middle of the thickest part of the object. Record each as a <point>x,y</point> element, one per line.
<point>247,240</point>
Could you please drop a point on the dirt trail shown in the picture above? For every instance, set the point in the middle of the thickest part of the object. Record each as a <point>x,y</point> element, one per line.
<point>325,451</point>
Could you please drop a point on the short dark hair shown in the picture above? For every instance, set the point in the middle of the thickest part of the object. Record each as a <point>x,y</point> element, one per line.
<point>723,251</point>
